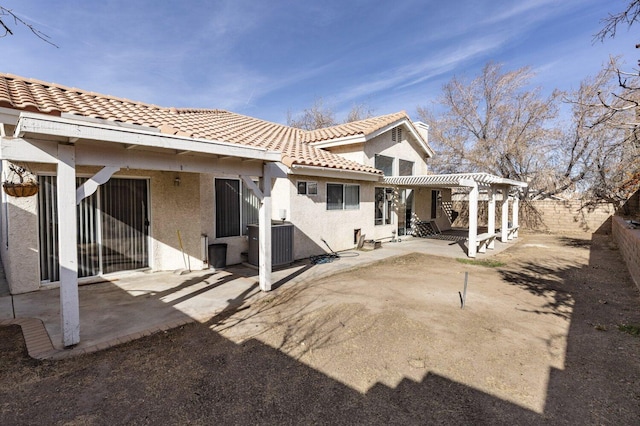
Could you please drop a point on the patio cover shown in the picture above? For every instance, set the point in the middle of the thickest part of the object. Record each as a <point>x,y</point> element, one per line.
<point>473,181</point>
<point>72,141</point>
<point>452,180</point>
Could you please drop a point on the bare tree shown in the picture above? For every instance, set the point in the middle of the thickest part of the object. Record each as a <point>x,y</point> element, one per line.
<point>359,112</point>
<point>8,15</point>
<point>493,124</point>
<point>601,144</point>
<point>627,17</point>
<point>315,117</point>
<point>319,115</point>
<point>618,165</point>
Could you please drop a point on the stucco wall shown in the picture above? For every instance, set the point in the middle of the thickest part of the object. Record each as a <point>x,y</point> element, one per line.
<point>408,150</point>
<point>175,208</point>
<point>172,208</point>
<point>20,243</point>
<point>353,152</point>
<point>313,222</point>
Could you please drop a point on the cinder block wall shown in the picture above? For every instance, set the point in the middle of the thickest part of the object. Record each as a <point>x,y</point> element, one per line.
<point>628,241</point>
<point>568,216</point>
<point>547,216</point>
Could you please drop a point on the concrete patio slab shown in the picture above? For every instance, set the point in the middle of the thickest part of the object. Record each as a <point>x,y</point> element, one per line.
<point>142,303</point>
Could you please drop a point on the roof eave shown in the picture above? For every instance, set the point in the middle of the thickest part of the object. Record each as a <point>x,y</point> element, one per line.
<point>346,140</point>
<point>39,124</point>
<point>332,173</point>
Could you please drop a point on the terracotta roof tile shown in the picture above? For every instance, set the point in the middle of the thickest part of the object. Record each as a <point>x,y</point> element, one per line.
<point>362,127</point>
<point>211,124</point>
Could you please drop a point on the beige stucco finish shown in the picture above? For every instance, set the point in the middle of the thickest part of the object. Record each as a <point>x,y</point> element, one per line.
<point>173,208</point>
<point>20,242</point>
<point>313,222</point>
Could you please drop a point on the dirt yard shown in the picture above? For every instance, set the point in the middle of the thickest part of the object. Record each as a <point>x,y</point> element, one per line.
<point>548,336</point>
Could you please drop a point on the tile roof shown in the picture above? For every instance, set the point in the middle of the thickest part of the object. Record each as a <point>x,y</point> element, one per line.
<point>362,127</point>
<point>212,124</point>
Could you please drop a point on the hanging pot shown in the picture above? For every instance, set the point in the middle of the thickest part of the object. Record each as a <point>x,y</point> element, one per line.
<point>23,189</point>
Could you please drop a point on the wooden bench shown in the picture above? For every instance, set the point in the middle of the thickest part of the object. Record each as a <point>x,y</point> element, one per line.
<point>512,232</point>
<point>483,241</point>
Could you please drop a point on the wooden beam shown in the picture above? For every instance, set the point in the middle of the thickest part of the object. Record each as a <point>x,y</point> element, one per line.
<point>68,246</point>
<point>91,185</point>
<point>115,155</point>
<point>118,155</point>
<point>253,187</point>
<point>38,124</point>
<point>37,151</point>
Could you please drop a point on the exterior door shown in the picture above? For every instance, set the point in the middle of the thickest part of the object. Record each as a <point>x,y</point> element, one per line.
<point>405,212</point>
<point>112,228</point>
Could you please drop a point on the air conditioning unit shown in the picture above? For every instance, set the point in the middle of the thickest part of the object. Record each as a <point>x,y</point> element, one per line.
<point>281,244</point>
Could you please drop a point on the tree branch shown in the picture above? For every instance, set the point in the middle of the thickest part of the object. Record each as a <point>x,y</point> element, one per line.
<point>18,21</point>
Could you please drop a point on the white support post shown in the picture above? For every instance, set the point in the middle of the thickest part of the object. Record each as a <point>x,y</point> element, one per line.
<point>473,221</point>
<point>68,246</point>
<point>504,222</point>
<point>514,220</point>
<point>491,216</point>
<point>264,230</point>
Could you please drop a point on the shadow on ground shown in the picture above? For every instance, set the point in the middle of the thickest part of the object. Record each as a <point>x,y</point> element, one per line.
<point>194,375</point>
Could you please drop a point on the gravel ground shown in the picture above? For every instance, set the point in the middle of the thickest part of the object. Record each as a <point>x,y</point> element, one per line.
<point>538,342</point>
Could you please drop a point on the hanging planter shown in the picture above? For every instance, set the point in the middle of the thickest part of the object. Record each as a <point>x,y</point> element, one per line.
<point>26,185</point>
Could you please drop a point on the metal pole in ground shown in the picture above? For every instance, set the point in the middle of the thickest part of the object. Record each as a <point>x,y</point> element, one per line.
<point>463,295</point>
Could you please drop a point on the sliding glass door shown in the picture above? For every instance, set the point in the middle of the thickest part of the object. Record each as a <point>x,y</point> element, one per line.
<point>112,226</point>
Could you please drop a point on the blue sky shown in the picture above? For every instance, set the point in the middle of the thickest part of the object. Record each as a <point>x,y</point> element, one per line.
<point>265,58</point>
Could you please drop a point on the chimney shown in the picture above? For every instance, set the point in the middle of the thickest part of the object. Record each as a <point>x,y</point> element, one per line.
<point>423,129</point>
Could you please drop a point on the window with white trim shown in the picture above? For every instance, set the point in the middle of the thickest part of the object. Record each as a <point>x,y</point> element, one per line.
<point>307,188</point>
<point>385,164</point>
<point>343,196</point>
<point>236,207</point>
<point>405,168</point>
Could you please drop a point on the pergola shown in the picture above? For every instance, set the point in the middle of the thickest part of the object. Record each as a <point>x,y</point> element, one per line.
<point>474,182</point>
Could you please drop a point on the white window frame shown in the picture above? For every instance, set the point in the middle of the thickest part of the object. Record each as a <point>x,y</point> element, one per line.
<point>308,185</point>
<point>413,166</point>
<point>241,188</point>
<point>344,205</point>
<point>387,207</point>
<point>381,156</point>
